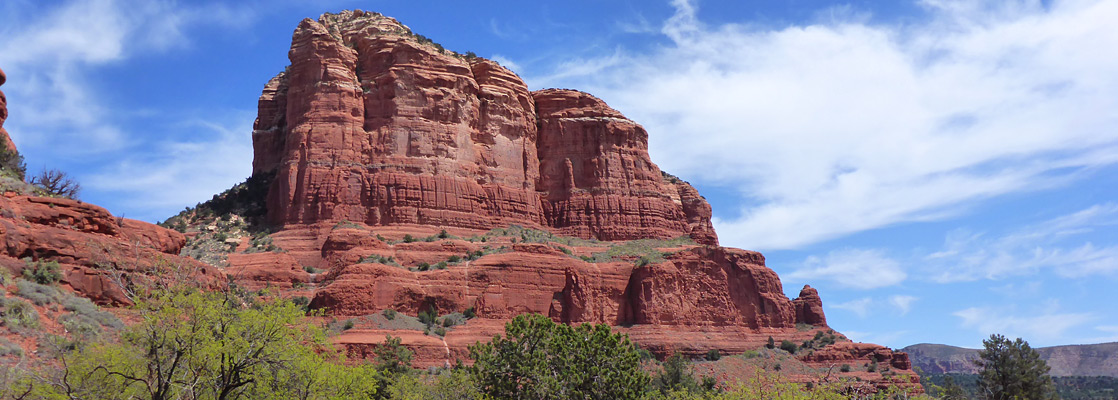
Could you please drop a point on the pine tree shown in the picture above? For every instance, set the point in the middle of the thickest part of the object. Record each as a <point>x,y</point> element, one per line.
<point>1012,370</point>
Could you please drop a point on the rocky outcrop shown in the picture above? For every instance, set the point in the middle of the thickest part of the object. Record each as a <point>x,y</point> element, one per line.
<point>372,123</point>
<point>5,140</point>
<point>398,165</point>
<point>99,254</point>
<point>809,307</point>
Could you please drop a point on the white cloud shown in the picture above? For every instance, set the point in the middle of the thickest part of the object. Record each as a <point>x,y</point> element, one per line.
<point>860,307</point>
<point>1046,326</point>
<point>903,303</point>
<point>48,53</point>
<point>156,183</point>
<point>853,268</point>
<point>1050,245</point>
<point>844,126</point>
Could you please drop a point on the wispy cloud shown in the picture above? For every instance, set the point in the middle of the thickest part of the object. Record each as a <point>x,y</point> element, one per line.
<point>49,54</point>
<point>903,303</point>
<point>843,126</point>
<point>1037,326</point>
<point>173,173</point>
<point>852,268</point>
<point>860,307</point>
<point>1057,244</point>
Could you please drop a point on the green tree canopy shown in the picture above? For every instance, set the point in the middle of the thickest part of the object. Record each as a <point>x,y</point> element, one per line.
<point>197,345</point>
<point>1012,370</point>
<point>540,359</point>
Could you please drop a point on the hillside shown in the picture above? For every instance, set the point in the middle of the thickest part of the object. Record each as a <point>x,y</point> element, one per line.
<point>1071,360</point>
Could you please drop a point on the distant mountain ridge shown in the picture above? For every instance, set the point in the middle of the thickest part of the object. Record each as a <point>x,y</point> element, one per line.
<point>1070,360</point>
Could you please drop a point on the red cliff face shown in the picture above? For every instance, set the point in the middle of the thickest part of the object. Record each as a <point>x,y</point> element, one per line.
<point>381,128</point>
<point>5,140</point>
<point>371,123</point>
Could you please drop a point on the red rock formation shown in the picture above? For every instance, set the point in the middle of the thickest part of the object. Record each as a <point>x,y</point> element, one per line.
<point>5,140</point>
<point>372,124</point>
<point>809,307</point>
<point>91,245</point>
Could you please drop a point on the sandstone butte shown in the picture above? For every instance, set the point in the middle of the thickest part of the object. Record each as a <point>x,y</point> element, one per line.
<point>375,135</point>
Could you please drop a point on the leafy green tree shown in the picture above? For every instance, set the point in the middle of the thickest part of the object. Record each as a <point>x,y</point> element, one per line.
<point>392,357</point>
<point>952,390</point>
<point>675,376</point>
<point>1012,370</point>
<point>198,345</point>
<point>540,359</point>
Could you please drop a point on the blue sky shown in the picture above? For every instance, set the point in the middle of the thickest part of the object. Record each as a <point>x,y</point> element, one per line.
<point>940,170</point>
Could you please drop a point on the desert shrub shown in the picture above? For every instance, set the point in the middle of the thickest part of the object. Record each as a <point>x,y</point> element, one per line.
<point>57,183</point>
<point>470,313</point>
<point>303,302</point>
<point>872,366</point>
<point>85,308</point>
<point>751,354</point>
<point>422,266</point>
<point>453,259</point>
<point>16,313</point>
<point>677,375</point>
<point>12,163</point>
<point>408,239</point>
<point>443,234</point>
<point>41,295</point>
<point>440,265</point>
<point>788,346</point>
<point>348,325</point>
<point>770,344</point>
<point>8,348</point>
<point>845,368</point>
<point>714,355</point>
<point>440,331</point>
<point>43,272</point>
<point>428,317</point>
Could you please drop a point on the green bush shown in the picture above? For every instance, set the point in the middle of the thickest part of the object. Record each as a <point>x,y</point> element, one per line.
<point>845,368</point>
<point>714,355</point>
<point>428,317</point>
<point>389,314</point>
<point>788,346</point>
<point>540,359</point>
<point>408,239</point>
<point>16,313</point>
<point>43,272</point>
<point>470,313</point>
<point>454,259</point>
<point>12,162</point>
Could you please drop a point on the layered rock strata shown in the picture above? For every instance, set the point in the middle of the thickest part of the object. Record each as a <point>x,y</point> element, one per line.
<point>373,124</point>
<point>377,137</point>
